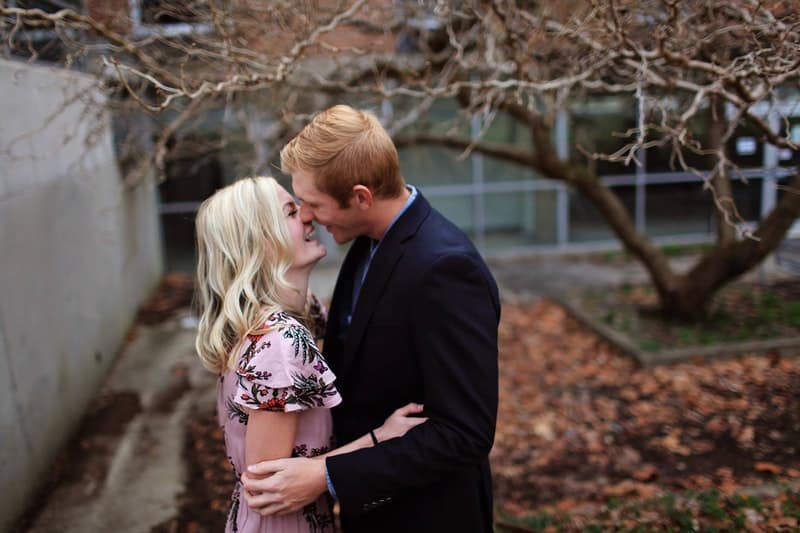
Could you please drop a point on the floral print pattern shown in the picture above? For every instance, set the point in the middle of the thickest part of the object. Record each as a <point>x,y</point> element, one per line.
<point>302,379</point>
<point>302,343</point>
<point>317,522</point>
<point>280,370</point>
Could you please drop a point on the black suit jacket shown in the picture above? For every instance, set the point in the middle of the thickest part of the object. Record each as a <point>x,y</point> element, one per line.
<point>424,330</point>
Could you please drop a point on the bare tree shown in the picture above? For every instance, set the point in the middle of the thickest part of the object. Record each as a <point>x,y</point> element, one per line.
<point>727,64</point>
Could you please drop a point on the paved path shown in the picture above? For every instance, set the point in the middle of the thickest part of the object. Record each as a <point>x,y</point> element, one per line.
<point>130,469</point>
<point>554,275</point>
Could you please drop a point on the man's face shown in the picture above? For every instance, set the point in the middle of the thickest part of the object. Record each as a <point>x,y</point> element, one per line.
<point>345,224</point>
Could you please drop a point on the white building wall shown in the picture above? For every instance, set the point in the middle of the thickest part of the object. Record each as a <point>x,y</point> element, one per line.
<point>78,253</point>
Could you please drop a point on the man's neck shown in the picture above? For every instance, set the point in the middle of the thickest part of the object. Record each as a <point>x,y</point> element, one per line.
<point>385,210</point>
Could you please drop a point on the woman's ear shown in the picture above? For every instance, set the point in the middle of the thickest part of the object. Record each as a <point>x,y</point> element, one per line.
<point>362,197</point>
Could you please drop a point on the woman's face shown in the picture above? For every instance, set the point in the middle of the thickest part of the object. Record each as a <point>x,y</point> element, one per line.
<point>307,250</point>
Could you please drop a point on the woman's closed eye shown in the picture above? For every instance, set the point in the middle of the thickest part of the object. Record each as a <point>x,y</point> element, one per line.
<point>291,209</point>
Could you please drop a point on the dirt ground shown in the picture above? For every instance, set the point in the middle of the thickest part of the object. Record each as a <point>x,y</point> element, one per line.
<point>205,503</point>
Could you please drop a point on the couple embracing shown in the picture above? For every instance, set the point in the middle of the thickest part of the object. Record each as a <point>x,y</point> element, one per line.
<point>395,416</point>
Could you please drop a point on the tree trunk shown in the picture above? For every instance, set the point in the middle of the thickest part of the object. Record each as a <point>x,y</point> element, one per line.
<point>694,290</point>
<point>684,296</point>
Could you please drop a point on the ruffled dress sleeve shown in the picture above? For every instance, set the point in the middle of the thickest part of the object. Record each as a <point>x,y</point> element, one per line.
<point>282,370</point>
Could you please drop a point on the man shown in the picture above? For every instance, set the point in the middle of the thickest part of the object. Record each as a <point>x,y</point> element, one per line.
<point>414,318</point>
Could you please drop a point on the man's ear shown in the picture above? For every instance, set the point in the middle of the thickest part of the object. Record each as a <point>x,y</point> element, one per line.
<point>361,198</point>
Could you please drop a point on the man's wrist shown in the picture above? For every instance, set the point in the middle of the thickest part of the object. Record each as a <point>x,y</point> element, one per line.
<point>328,482</point>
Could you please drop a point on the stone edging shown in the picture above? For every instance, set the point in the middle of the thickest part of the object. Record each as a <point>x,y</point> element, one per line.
<point>785,346</point>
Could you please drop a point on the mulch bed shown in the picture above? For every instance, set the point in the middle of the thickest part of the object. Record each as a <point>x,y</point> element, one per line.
<point>174,292</point>
<point>581,424</point>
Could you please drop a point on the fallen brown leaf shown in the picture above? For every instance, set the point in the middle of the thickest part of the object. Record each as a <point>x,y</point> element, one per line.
<point>768,467</point>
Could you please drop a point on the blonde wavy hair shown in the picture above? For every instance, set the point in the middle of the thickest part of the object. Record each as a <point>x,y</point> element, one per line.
<point>343,147</point>
<point>244,250</point>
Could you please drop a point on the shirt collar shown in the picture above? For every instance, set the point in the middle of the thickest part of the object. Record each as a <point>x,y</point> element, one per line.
<point>409,201</point>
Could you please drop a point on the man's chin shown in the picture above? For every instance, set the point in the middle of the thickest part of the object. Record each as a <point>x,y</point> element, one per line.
<point>342,239</point>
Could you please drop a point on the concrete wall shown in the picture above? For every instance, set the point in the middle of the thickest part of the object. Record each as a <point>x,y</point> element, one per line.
<point>78,253</point>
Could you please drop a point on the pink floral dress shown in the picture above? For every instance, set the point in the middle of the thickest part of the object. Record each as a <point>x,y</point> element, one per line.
<point>281,370</point>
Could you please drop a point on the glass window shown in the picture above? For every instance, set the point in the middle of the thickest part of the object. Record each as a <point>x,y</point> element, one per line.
<point>457,208</point>
<point>515,219</point>
<point>506,130</point>
<point>434,165</point>
<point>169,12</point>
<point>747,196</point>
<point>498,170</point>
<point>746,147</point>
<point>663,158</point>
<point>787,157</point>
<point>587,224</point>
<point>179,242</point>
<point>678,208</point>
<point>48,6</point>
<point>598,126</point>
<point>42,43</point>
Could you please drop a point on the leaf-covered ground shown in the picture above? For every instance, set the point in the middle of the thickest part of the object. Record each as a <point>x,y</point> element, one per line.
<point>587,441</point>
<point>581,423</point>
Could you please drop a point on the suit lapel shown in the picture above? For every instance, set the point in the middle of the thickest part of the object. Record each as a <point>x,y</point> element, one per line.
<point>341,303</point>
<point>380,272</point>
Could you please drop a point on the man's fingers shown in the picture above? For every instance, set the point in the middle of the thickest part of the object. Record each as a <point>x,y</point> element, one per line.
<point>267,504</point>
<point>259,500</point>
<point>258,484</point>
<point>266,467</point>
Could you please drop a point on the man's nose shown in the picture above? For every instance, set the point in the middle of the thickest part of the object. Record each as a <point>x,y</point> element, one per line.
<point>306,215</point>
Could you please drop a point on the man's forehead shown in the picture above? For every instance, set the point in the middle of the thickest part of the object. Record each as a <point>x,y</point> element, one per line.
<point>305,189</point>
<point>302,184</point>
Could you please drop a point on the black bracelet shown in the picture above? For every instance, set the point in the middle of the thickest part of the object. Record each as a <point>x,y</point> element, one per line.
<point>374,438</point>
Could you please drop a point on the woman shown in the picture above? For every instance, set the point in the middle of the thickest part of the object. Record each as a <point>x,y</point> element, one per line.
<point>275,388</point>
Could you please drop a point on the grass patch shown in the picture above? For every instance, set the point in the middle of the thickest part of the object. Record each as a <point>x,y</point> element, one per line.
<point>707,511</point>
<point>506,522</point>
<point>740,312</point>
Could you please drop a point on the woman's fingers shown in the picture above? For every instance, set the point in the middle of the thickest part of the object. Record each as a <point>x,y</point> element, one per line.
<point>410,409</point>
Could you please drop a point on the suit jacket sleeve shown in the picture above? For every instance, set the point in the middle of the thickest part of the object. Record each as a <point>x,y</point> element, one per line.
<point>454,329</point>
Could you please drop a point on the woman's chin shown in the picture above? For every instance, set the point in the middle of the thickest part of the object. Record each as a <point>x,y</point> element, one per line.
<point>321,252</point>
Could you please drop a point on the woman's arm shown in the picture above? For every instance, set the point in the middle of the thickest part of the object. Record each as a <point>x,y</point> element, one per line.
<point>397,425</point>
<point>269,435</point>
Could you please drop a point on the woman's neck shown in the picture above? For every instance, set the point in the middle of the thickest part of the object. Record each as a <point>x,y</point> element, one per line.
<point>298,280</point>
